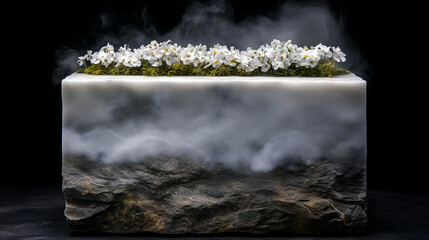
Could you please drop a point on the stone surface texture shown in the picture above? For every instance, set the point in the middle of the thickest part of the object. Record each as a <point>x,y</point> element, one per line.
<point>174,196</point>
<point>214,155</point>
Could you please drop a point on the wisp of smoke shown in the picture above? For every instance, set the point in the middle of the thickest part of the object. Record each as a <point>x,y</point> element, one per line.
<point>305,24</point>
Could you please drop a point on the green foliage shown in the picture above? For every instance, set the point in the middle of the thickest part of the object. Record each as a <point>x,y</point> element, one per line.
<point>324,68</point>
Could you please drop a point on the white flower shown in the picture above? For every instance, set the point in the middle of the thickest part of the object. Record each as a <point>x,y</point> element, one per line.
<point>170,60</point>
<point>186,55</point>
<point>102,57</point>
<point>121,59</point>
<point>155,62</point>
<point>94,58</point>
<point>275,42</point>
<point>201,49</point>
<point>107,49</point>
<point>313,58</point>
<point>214,63</point>
<point>131,60</point>
<point>82,60</point>
<point>165,48</point>
<point>323,51</point>
<point>309,58</point>
<point>277,64</point>
<point>247,68</point>
<point>158,53</point>
<point>106,57</point>
<point>252,65</point>
<point>154,43</point>
<point>231,61</point>
<point>196,59</point>
<point>312,62</point>
<point>148,53</point>
<point>286,61</point>
<point>175,48</point>
<point>123,49</point>
<point>304,57</point>
<point>139,53</point>
<point>338,55</point>
<point>265,67</point>
<point>270,53</point>
<point>214,50</point>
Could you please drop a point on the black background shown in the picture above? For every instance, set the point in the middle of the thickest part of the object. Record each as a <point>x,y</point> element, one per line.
<point>392,37</point>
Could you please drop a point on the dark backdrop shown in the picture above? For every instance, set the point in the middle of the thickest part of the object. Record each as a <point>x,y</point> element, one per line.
<point>392,37</point>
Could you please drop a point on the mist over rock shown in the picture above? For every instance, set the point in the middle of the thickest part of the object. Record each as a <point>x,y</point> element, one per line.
<point>199,155</point>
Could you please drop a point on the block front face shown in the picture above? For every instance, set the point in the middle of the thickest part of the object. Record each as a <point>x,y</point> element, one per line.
<point>214,154</point>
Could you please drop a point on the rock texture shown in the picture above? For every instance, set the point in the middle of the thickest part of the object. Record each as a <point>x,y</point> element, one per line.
<point>172,195</point>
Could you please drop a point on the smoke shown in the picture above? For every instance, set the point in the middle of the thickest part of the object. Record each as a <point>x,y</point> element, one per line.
<point>244,126</point>
<point>308,23</point>
<point>66,63</point>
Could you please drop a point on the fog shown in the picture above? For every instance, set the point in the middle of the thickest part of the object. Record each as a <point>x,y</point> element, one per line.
<point>244,126</point>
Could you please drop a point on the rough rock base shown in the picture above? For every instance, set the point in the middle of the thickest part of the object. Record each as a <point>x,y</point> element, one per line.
<point>171,195</point>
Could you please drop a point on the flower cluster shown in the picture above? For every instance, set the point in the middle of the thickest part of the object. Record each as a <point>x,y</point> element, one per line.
<point>276,55</point>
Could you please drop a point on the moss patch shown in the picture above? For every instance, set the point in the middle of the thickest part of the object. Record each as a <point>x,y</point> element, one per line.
<point>324,68</point>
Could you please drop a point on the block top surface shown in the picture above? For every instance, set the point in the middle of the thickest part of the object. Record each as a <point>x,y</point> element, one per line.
<point>129,78</point>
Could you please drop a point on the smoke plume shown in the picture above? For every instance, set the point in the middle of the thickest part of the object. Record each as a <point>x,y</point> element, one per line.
<point>306,24</point>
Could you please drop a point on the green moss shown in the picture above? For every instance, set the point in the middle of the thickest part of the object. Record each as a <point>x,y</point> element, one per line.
<point>324,68</point>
